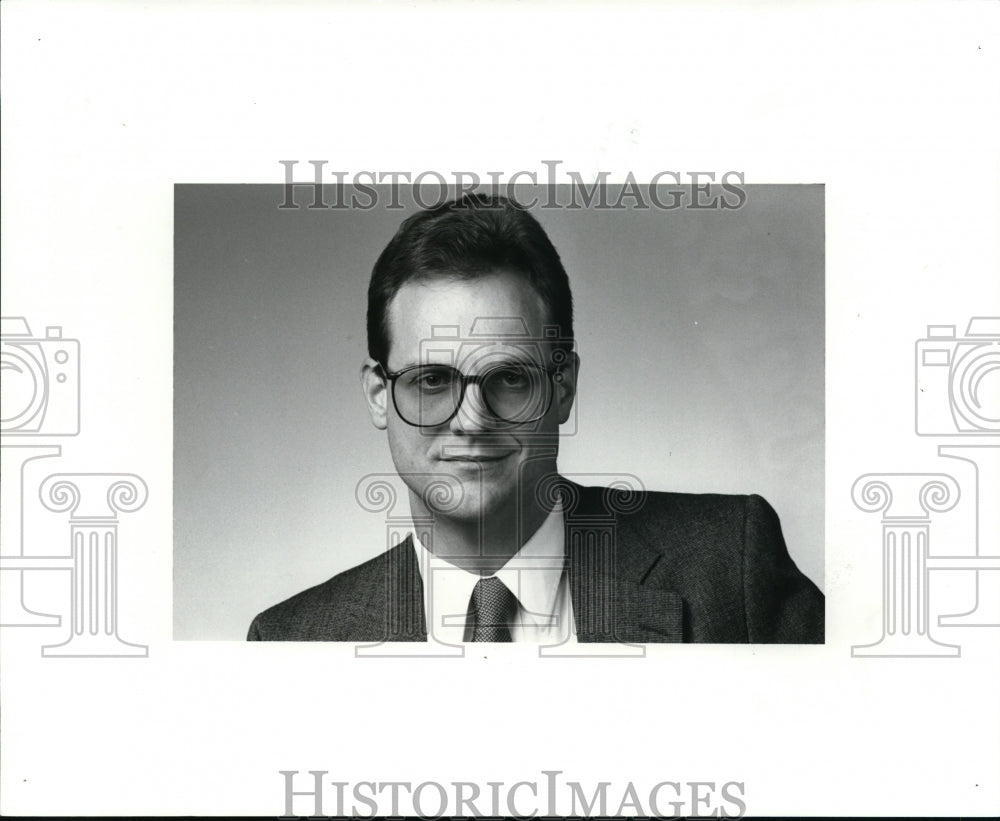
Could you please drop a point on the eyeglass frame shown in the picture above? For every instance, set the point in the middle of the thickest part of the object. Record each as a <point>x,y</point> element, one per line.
<point>465,379</point>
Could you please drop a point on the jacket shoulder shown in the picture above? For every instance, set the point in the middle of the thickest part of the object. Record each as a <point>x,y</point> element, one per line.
<point>726,555</point>
<point>688,514</point>
<point>325,612</point>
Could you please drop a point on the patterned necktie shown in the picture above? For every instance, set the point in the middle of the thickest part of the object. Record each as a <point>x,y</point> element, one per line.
<point>492,606</point>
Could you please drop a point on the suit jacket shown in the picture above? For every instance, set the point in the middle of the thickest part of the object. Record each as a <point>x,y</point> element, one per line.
<point>643,567</point>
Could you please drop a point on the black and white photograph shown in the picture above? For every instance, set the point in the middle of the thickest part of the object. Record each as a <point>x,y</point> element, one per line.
<point>699,371</point>
<point>498,409</point>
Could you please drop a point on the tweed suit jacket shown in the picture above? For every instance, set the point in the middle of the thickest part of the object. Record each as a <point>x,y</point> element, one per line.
<point>643,567</point>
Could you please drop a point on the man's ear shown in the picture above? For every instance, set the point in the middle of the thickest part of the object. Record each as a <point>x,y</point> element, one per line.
<point>376,389</point>
<point>565,385</point>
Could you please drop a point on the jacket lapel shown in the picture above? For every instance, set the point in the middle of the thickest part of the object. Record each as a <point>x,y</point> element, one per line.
<point>608,563</point>
<point>394,609</point>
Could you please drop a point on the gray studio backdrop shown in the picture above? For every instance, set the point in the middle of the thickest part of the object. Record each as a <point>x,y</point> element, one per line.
<point>701,335</point>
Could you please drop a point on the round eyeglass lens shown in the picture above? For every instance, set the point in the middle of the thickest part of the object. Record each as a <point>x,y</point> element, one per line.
<point>517,393</point>
<point>427,395</point>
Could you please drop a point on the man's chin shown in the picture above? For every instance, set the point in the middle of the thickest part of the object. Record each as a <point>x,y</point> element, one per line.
<point>470,501</point>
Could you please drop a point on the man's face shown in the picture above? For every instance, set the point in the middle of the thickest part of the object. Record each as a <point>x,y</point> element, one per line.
<point>493,466</point>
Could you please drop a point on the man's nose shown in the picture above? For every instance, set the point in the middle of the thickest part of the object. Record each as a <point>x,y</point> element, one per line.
<point>472,415</point>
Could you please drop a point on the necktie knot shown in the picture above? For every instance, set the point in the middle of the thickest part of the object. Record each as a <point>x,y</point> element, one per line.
<point>493,607</point>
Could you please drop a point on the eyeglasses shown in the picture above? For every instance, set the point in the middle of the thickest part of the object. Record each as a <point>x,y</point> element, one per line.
<point>514,393</point>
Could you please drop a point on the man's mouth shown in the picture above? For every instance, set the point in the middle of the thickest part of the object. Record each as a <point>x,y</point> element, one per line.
<point>476,458</point>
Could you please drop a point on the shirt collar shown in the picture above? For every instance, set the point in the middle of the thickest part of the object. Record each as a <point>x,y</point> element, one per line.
<point>533,575</point>
<point>534,572</point>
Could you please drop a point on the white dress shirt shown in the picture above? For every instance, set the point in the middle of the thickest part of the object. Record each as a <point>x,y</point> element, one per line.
<point>535,575</point>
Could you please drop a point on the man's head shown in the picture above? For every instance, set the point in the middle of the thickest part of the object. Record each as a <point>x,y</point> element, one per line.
<point>466,239</point>
<point>471,369</point>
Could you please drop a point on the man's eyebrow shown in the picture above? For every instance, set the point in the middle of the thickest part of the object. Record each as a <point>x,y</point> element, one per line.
<point>519,354</point>
<point>412,363</point>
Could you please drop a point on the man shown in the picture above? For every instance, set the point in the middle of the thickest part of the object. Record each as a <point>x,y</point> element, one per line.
<point>471,371</point>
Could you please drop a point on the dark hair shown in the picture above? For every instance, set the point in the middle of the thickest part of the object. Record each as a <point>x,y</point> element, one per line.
<point>466,238</point>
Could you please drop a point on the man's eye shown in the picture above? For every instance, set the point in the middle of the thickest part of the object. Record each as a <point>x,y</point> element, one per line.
<point>433,380</point>
<point>511,378</point>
